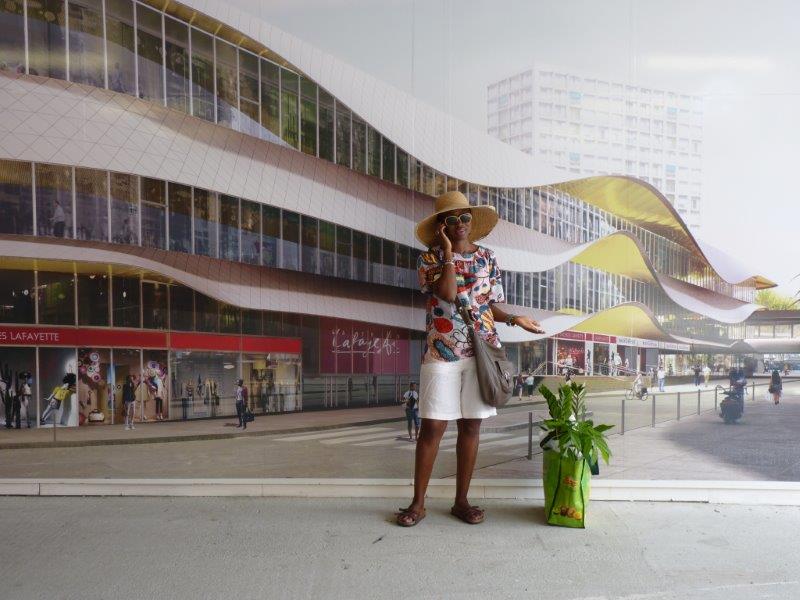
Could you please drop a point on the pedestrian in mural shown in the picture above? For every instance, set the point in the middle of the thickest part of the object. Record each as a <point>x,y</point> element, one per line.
<point>519,385</point>
<point>706,375</point>
<point>617,364</point>
<point>240,404</point>
<point>697,370</point>
<point>456,275</point>
<point>25,396</point>
<point>776,386</point>
<point>410,402</point>
<point>661,375</point>
<point>129,401</point>
<point>530,381</point>
<point>58,220</point>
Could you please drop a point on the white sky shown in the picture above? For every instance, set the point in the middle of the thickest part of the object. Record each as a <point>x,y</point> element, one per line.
<point>742,57</point>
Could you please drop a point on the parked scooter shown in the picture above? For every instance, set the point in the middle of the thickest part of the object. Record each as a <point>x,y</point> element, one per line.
<point>731,408</point>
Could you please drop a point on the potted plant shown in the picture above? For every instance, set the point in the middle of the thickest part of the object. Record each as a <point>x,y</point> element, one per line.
<point>572,447</point>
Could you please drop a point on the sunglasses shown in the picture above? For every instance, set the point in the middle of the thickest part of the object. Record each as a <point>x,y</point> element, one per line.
<point>453,219</point>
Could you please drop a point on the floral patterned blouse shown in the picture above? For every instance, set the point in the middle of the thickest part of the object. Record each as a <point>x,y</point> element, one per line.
<point>478,285</point>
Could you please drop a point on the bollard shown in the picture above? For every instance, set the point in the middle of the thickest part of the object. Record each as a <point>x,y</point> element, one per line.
<point>698,402</point>
<point>753,397</point>
<point>622,420</point>
<point>654,411</point>
<point>530,435</point>
<point>679,406</point>
<point>716,390</point>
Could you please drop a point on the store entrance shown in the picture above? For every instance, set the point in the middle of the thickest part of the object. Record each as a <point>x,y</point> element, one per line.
<point>273,382</point>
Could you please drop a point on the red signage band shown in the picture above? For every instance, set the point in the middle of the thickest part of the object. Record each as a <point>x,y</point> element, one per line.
<point>11,335</point>
<point>571,335</point>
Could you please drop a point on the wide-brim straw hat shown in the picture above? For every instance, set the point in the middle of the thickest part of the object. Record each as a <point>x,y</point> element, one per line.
<point>484,218</point>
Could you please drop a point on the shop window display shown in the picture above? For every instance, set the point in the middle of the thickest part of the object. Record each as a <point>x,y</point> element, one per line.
<point>12,36</point>
<point>91,204</point>
<point>86,42</point>
<point>155,397</point>
<point>126,362</point>
<point>120,40</point>
<point>176,43</point>
<point>59,401</point>
<point>151,54</point>
<point>124,209</point>
<point>47,40</point>
<point>18,390</point>
<point>273,382</point>
<point>204,383</point>
<point>95,393</point>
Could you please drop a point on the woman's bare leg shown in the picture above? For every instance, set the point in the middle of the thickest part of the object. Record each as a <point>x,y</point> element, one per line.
<point>466,453</point>
<point>430,435</point>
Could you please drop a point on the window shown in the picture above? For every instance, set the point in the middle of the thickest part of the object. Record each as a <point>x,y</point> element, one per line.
<point>16,297</point>
<point>375,270</point>
<point>155,307</point>
<point>47,47</point>
<point>230,319</point>
<point>388,261</point>
<point>360,255</point>
<point>388,160</point>
<point>181,311</point>
<point>252,323</point>
<point>373,152</point>
<point>344,248</point>
<point>251,232</point>
<point>310,243</point>
<point>176,42</point>
<point>289,108</point>
<point>124,209</point>
<point>93,300</point>
<point>56,298</point>
<point>327,248</point>
<point>270,235</point>
<point>12,36</point>
<point>120,39</point>
<point>228,227</point>
<point>326,125</point>
<point>308,116</point>
<point>227,85</point>
<point>270,99</point>
<point>91,204</point>
<point>249,94</point>
<point>290,244</point>
<point>86,60</point>
<point>402,168</point>
<point>16,198</point>
<point>206,223</point>
<point>148,35</point>
<point>154,200</point>
<point>180,218</point>
<point>53,200</point>
<point>342,135</point>
<point>359,141</point>
<point>202,75</point>
<point>125,301</point>
<point>206,313</point>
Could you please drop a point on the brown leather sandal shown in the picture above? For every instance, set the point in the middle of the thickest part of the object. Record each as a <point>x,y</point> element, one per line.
<point>409,518</point>
<point>472,515</point>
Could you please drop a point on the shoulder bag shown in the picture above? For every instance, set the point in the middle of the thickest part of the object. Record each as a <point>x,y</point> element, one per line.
<point>495,371</point>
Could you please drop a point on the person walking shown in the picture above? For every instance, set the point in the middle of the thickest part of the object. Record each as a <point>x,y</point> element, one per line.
<point>661,375</point>
<point>617,364</point>
<point>456,275</point>
<point>697,371</point>
<point>58,220</point>
<point>129,401</point>
<point>776,386</point>
<point>519,386</point>
<point>411,399</point>
<point>706,375</point>
<point>239,402</point>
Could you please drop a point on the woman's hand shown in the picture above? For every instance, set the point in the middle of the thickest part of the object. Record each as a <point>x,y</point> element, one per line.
<point>447,245</point>
<point>528,324</point>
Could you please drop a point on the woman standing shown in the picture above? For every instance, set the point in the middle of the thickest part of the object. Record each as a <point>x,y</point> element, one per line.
<point>455,273</point>
<point>776,386</point>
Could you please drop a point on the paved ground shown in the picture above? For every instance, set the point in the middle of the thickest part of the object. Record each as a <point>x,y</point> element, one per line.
<point>762,446</point>
<point>204,548</point>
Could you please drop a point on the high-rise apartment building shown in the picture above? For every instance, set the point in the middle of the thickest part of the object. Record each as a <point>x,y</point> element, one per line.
<point>594,126</point>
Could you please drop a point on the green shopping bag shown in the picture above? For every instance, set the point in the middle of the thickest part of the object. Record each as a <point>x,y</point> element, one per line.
<point>566,490</point>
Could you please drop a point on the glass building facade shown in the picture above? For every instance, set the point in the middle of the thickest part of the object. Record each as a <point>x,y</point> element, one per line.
<point>133,48</point>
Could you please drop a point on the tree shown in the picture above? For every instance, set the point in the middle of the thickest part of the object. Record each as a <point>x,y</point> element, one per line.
<point>775,301</point>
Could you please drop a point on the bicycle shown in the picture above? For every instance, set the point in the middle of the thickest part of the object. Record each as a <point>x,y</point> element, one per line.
<point>632,394</point>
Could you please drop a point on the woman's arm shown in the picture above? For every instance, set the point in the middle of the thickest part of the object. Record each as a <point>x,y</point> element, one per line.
<point>445,287</point>
<point>528,324</point>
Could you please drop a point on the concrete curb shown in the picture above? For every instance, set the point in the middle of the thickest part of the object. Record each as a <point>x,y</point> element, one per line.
<point>777,493</point>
